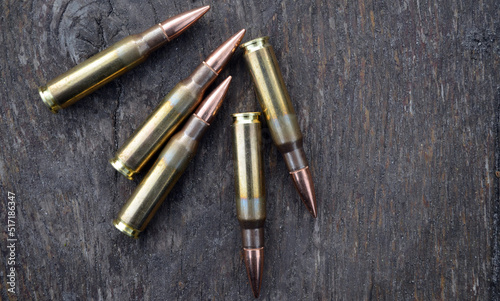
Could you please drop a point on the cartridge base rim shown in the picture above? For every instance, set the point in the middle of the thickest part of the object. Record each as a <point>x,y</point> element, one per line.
<point>255,44</point>
<point>48,99</point>
<point>122,168</point>
<point>126,229</point>
<point>246,117</point>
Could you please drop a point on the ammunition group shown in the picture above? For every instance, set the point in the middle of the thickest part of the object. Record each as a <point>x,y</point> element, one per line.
<point>171,133</point>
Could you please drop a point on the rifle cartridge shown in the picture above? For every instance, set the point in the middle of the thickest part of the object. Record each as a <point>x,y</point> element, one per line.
<point>172,111</point>
<point>95,72</point>
<point>250,192</point>
<point>280,115</point>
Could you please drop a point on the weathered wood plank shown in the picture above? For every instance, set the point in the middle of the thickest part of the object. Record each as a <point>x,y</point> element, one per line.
<point>399,104</point>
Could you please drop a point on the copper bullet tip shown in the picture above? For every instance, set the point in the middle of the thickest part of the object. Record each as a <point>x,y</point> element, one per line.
<point>219,58</point>
<point>303,182</point>
<point>254,261</point>
<point>211,104</point>
<point>176,25</point>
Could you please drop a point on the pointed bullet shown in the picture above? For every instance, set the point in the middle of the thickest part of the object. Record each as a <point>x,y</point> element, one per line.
<point>95,72</point>
<point>254,261</point>
<point>169,167</point>
<point>219,58</point>
<point>176,25</point>
<point>302,180</point>
<point>209,107</point>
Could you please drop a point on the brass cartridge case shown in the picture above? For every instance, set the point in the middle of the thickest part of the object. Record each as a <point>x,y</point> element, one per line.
<point>162,122</point>
<point>114,61</point>
<point>249,178</point>
<point>172,111</point>
<point>250,192</point>
<point>171,164</point>
<point>280,115</point>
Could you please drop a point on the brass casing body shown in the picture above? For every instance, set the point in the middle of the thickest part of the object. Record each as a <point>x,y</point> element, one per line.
<point>154,188</point>
<point>101,68</point>
<point>249,178</point>
<point>275,101</point>
<point>162,122</point>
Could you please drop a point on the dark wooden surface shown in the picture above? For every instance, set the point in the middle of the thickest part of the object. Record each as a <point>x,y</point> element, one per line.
<point>399,104</point>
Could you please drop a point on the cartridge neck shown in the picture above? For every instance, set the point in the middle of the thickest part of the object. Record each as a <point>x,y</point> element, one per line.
<point>295,159</point>
<point>195,127</point>
<point>153,38</point>
<point>202,77</point>
<point>252,238</point>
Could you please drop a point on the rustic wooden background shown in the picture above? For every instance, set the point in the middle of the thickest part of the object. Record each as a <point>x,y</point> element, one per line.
<point>399,103</point>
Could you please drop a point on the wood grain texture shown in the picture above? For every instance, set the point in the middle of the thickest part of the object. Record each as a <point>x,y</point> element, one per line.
<point>399,104</point>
